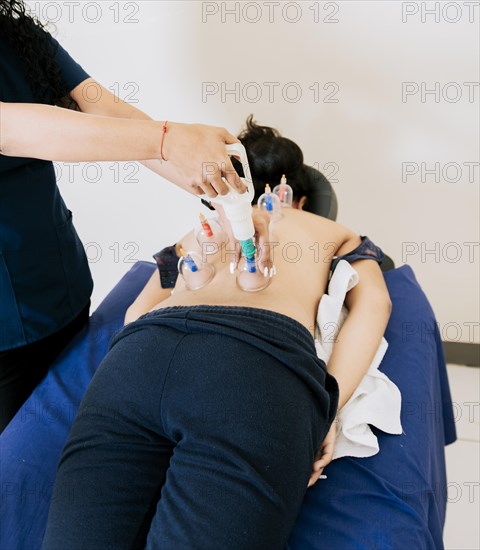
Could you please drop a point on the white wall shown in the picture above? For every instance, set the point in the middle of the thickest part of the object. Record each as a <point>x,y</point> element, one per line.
<point>174,48</point>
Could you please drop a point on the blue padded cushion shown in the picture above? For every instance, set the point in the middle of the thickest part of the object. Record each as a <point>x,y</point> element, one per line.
<point>395,499</point>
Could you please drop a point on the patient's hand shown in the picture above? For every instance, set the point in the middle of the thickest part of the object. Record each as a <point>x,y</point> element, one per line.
<point>324,454</point>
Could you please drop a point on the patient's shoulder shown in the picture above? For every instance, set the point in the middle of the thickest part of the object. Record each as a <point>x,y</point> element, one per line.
<point>366,250</point>
<point>328,230</point>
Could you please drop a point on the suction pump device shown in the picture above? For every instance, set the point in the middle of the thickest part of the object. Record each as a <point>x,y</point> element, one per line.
<point>238,210</point>
<point>194,271</point>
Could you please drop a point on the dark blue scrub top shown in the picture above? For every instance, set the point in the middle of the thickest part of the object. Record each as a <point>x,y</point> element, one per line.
<point>45,280</point>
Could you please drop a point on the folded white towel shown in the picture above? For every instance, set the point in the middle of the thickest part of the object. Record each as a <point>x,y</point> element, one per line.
<point>377,400</point>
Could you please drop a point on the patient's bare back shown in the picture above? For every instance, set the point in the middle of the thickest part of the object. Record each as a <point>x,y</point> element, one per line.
<point>302,246</point>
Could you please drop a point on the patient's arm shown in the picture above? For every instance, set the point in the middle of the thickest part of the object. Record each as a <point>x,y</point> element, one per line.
<point>153,293</point>
<point>358,340</point>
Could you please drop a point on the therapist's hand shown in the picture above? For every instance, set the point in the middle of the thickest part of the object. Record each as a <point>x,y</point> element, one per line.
<point>198,158</point>
<point>324,454</point>
<point>196,153</point>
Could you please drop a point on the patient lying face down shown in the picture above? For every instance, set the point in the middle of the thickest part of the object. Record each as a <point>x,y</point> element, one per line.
<point>211,413</point>
<point>301,246</point>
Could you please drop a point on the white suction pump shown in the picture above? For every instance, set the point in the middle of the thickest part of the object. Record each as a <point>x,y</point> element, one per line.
<point>238,208</point>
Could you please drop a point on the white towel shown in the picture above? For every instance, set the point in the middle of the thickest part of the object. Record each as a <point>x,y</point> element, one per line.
<point>377,400</point>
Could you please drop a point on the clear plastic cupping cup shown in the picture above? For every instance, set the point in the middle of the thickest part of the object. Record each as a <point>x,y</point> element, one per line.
<point>196,273</point>
<point>270,203</point>
<point>250,276</point>
<point>210,235</point>
<point>238,211</point>
<point>284,192</point>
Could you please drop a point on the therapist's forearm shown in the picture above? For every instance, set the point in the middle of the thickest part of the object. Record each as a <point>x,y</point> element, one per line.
<point>115,107</point>
<point>357,344</point>
<point>163,169</point>
<point>52,133</point>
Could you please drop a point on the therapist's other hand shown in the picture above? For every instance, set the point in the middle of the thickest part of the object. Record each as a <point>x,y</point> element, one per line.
<point>324,454</point>
<point>199,158</point>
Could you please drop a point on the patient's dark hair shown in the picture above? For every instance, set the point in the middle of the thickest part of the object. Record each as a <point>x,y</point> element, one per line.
<point>270,156</point>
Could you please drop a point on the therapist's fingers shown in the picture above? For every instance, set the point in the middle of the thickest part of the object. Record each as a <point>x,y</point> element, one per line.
<point>199,153</point>
<point>232,176</point>
<point>213,184</point>
<point>227,169</point>
<point>214,174</point>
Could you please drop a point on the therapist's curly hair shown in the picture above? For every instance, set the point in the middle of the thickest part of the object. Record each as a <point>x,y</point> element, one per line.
<point>270,155</point>
<point>29,37</point>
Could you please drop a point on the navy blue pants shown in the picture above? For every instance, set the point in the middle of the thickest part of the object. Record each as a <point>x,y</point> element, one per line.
<point>198,431</point>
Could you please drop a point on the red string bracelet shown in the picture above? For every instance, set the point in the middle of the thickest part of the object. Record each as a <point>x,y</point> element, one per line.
<point>164,131</point>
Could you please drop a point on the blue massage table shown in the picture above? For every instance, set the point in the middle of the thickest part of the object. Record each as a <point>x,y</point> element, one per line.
<point>393,500</point>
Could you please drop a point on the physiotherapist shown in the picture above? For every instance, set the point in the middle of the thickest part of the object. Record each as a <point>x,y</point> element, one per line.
<point>45,116</point>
